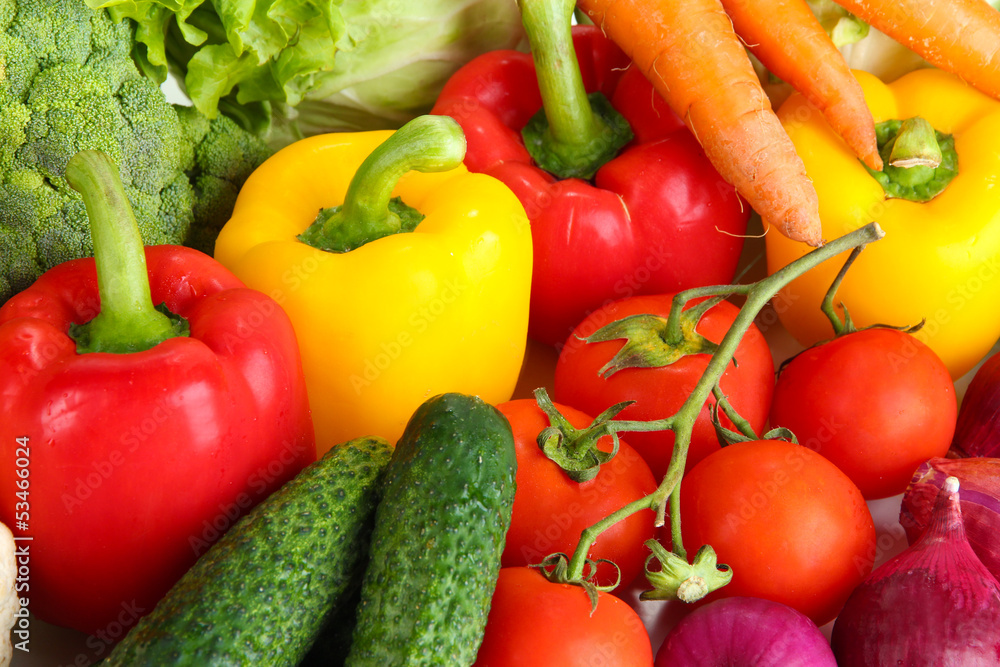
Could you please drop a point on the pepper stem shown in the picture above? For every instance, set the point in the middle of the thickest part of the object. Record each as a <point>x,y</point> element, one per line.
<point>916,145</point>
<point>426,144</point>
<point>128,321</point>
<point>919,161</point>
<point>575,133</point>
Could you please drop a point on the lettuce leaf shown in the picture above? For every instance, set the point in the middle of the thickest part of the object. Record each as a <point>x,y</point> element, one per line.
<point>291,68</point>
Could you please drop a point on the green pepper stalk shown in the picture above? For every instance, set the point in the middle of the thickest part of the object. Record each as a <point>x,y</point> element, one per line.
<point>919,161</point>
<point>128,321</point>
<point>682,423</point>
<point>574,134</point>
<point>369,212</point>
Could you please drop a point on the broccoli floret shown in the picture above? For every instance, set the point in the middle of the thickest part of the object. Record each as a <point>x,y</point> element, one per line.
<point>68,83</point>
<point>224,156</point>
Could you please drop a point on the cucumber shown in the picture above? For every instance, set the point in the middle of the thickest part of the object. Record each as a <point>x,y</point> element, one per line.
<point>439,533</point>
<point>262,593</point>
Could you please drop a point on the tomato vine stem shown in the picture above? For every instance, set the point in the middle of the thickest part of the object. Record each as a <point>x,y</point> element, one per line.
<point>839,326</point>
<point>756,296</point>
<point>743,426</point>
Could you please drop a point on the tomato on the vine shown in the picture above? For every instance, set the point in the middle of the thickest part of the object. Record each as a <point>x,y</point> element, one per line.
<point>660,391</point>
<point>536,623</point>
<point>877,402</point>
<point>551,510</point>
<point>792,526</point>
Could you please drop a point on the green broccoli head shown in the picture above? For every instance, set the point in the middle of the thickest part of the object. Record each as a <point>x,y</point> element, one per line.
<point>68,83</point>
<point>224,157</point>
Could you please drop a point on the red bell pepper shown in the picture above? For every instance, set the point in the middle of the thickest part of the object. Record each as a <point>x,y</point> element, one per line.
<point>653,217</point>
<point>132,438</point>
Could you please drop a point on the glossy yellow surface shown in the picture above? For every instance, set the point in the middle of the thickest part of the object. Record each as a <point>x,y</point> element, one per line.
<point>939,260</point>
<point>400,319</point>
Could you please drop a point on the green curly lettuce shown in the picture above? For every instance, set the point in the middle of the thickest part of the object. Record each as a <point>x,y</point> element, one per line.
<point>293,68</point>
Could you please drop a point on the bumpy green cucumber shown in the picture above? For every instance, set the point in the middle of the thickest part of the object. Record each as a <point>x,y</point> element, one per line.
<point>261,594</point>
<point>439,533</point>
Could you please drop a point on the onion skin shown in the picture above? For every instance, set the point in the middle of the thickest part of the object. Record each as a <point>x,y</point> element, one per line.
<point>977,430</point>
<point>933,605</point>
<point>745,632</point>
<point>979,499</point>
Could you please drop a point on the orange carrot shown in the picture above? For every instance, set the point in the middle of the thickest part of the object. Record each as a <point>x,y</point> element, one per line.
<point>959,36</point>
<point>690,53</point>
<point>787,37</point>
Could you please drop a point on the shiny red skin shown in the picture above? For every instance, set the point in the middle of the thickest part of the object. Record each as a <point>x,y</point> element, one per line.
<point>550,509</point>
<point>661,391</point>
<point>876,402</point>
<point>138,462</point>
<point>656,218</point>
<point>792,526</point>
<point>536,623</point>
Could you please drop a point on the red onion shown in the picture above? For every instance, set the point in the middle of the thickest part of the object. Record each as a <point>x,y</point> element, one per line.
<point>934,604</point>
<point>980,502</point>
<point>977,431</point>
<point>745,632</point>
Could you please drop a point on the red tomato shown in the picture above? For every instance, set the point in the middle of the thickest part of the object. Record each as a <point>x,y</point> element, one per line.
<point>790,524</point>
<point>550,509</point>
<point>659,392</point>
<point>535,623</point>
<point>876,402</point>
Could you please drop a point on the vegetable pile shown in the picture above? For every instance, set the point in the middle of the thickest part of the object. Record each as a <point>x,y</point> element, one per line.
<point>611,181</point>
<point>457,348</point>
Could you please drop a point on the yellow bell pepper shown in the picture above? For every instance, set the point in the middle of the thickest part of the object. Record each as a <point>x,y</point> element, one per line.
<point>387,317</point>
<point>940,259</point>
